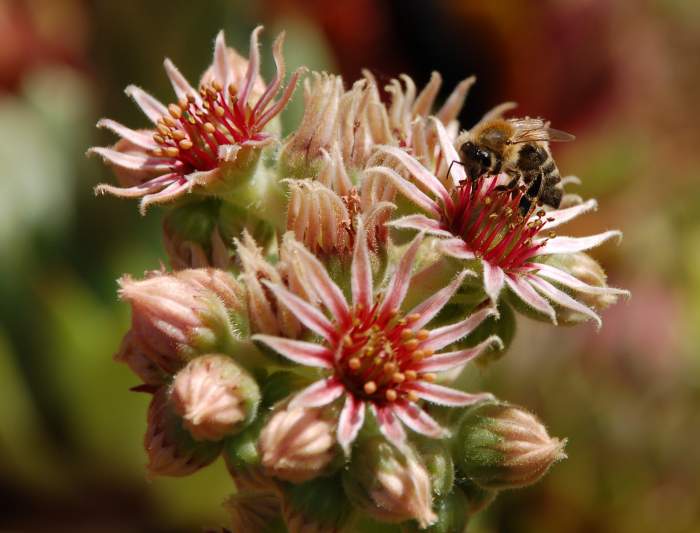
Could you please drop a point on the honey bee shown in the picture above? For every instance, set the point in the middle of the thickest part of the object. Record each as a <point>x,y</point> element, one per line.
<point>520,148</point>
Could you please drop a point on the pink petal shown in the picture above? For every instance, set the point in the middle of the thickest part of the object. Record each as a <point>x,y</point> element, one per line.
<point>449,153</point>
<point>253,70</point>
<point>304,353</point>
<point>274,85</point>
<point>181,86</point>
<point>559,276</point>
<point>562,216</point>
<point>221,66</point>
<point>389,425</point>
<point>448,360</point>
<point>419,421</point>
<point>563,299</point>
<point>171,192</point>
<point>352,417</point>
<point>457,248</point>
<point>144,139</point>
<point>445,395</point>
<point>151,107</point>
<point>277,108</point>
<point>454,103</point>
<point>570,245</point>
<point>441,337</point>
<point>318,394</point>
<point>133,161</point>
<point>361,270</point>
<point>311,317</point>
<point>137,191</point>
<point>421,223</point>
<point>398,286</point>
<point>329,293</point>
<point>418,171</point>
<point>522,289</point>
<point>432,306</point>
<point>408,189</point>
<point>494,278</point>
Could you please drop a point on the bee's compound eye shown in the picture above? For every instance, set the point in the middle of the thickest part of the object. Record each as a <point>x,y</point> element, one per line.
<point>483,157</point>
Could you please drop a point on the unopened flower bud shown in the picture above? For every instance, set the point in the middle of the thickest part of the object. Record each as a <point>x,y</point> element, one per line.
<point>500,446</point>
<point>451,515</point>
<point>133,355</point>
<point>298,444</point>
<point>438,461</point>
<point>174,320</point>
<point>214,397</point>
<point>597,295</point>
<point>389,484</point>
<point>171,449</point>
<point>254,511</point>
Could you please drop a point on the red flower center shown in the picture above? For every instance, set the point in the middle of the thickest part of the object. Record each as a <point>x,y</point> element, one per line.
<point>377,356</point>
<point>488,220</point>
<point>194,129</point>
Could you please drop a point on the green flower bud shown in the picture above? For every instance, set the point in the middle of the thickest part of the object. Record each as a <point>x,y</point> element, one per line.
<point>500,446</point>
<point>171,450</point>
<point>215,397</point>
<point>389,484</point>
<point>438,461</point>
<point>451,512</point>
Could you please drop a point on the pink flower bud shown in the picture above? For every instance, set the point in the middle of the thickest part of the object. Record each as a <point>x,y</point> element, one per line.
<point>214,397</point>
<point>298,444</point>
<point>174,320</point>
<point>171,449</point>
<point>389,484</point>
<point>133,355</point>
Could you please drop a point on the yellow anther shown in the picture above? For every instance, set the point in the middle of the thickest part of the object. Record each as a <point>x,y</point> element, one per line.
<point>175,110</point>
<point>406,334</point>
<point>354,363</point>
<point>347,341</point>
<point>552,234</point>
<point>171,151</point>
<point>391,395</point>
<point>185,144</point>
<point>169,121</point>
<point>370,387</point>
<point>390,368</point>
<point>412,317</point>
<point>182,102</point>
<point>157,152</point>
<point>411,374</point>
<point>163,130</point>
<point>398,377</point>
<point>422,334</point>
<point>209,127</point>
<point>411,345</point>
<point>216,86</point>
<point>429,377</point>
<point>412,396</point>
<point>219,110</point>
<point>178,135</point>
<point>191,120</point>
<point>158,138</point>
<point>191,98</point>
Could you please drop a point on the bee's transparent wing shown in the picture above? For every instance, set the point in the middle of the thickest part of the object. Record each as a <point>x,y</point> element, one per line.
<point>536,129</point>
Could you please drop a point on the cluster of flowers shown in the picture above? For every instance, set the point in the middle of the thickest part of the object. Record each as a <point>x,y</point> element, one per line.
<point>325,293</point>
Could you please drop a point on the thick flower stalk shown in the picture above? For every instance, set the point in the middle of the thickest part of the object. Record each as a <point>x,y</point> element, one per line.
<point>205,140</point>
<point>374,354</point>
<point>481,222</point>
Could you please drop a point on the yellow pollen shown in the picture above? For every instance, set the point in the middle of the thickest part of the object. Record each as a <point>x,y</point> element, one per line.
<point>354,363</point>
<point>157,152</point>
<point>216,86</point>
<point>411,345</point>
<point>390,368</point>
<point>398,377</point>
<point>430,377</point>
<point>347,341</point>
<point>552,234</point>
<point>411,374</point>
<point>370,387</point>
<point>406,334</point>
<point>182,102</point>
<point>412,317</point>
<point>488,200</point>
<point>163,129</point>
<point>391,395</point>
<point>175,111</point>
<point>178,135</point>
<point>232,90</point>
<point>422,334</point>
<point>219,111</point>
<point>418,355</point>
<point>209,127</point>
<point>185,144</point>
<point>171,151</point>
<point>412,396</point>
<point>191,120</point>
<point>428,352</point>
<point>158,138</point>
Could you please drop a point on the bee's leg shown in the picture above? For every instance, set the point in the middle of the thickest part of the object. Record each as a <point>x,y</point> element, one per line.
<point>532,195</point>
<point>449,169</point>
<point>510,186</point>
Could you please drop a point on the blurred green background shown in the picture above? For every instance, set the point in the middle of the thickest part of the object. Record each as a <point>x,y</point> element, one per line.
<point>622,75</point>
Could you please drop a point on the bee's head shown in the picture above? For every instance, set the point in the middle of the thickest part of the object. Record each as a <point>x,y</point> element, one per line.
<point>477,159</point>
